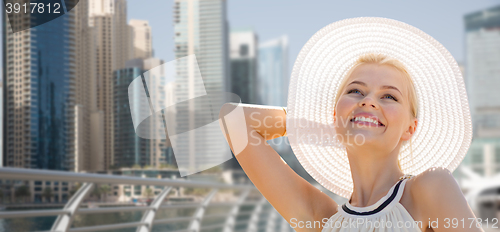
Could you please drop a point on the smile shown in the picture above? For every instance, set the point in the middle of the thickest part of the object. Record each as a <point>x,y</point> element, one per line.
<point>366,121</point>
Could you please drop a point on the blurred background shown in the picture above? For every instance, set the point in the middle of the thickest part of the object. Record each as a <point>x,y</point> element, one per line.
<point>65,105</point>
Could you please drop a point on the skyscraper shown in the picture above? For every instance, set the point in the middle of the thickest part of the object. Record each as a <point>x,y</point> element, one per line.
<point>482,42</point>
<point>273,72</point>
<point>131,149</point>
<point>85,135</point>
<point>38,106</point>
<point>1,125</point>
<point>482,78</point>
<point>243,65</point>
<point>141,39</point>
<point>200,29</point>
<point>121,36</point>
<point>111,38</point>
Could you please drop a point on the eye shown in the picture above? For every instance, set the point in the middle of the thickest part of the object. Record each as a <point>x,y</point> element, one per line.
<point>390,96</point>
<point>353,90</point>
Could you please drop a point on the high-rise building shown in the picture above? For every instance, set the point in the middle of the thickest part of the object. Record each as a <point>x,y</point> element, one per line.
<point>86,135</point>
<point>482,42</point>
<point>273,72</point>
<point>111,49</point>
<point>1,125</point>
<point>131,149</point>
<point>101,7</point>
<point>141,39</point>
<point>243,65</point>
<point>104,68</point>
<point>482,78</point>
<point>201,29</point>
<point>121,35</point>
<point>38,105</point>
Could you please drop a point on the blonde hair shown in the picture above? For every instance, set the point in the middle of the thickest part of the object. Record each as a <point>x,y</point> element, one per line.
<point>381,59</point>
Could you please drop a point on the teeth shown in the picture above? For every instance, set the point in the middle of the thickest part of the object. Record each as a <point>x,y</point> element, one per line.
<point>363,119</point>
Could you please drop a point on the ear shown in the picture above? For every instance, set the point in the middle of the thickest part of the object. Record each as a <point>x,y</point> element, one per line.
<point>410,130</point>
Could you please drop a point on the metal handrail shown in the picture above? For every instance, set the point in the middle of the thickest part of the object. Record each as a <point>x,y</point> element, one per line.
<point>32,213</point>
<point>73,207</point>
<point>36,174</point>
<point>112,209</point>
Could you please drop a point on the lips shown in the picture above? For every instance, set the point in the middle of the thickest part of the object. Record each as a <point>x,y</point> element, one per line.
<point>366,117</point>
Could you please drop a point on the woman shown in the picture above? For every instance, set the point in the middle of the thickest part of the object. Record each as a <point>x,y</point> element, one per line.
<point>374,114</point>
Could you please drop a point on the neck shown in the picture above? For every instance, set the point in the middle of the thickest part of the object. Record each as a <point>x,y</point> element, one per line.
<point>373,174</point>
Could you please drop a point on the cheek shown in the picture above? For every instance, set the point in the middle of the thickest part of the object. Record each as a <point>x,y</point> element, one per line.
<point>344,105</point>
<point>394,115</point>
<point>344,108</point>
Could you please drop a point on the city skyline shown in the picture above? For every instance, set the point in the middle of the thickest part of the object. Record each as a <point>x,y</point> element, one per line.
<point>115,22</point>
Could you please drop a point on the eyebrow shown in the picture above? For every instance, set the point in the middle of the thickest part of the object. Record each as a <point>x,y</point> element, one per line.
<point>382,87</point>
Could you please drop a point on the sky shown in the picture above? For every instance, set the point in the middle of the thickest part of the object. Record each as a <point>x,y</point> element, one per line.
<point>299,20</point>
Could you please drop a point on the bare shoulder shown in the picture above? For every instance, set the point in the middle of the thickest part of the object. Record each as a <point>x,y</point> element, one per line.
<point>432,182</point>
<point>437,197</point>
<point>422,190</point>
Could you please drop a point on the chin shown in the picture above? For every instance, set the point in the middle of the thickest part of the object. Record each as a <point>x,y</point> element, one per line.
<point>364,140</point>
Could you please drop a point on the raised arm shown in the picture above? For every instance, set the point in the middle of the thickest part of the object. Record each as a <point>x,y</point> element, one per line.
<point>247,127</point>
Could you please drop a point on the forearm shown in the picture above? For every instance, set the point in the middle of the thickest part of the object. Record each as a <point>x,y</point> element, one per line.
<point>268,121</point>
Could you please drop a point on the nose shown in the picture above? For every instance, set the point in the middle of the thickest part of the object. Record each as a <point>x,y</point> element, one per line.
<point>368,101</point>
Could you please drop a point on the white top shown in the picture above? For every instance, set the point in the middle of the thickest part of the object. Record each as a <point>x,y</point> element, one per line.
<point>388,214</point>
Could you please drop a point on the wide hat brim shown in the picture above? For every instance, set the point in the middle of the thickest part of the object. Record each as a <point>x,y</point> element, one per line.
<point>444,130</point>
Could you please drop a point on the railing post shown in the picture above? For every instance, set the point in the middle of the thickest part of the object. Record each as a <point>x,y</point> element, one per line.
<point>149,215</point>
<point>63,222</point>
<point>231,219</point>
<point>198,215</point>
<point>254,219</point>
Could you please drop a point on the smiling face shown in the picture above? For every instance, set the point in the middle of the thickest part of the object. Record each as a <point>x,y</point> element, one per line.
<point>374,105</point>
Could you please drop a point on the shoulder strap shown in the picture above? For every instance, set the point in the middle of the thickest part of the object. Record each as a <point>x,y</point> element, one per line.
<point>402,187</point>
<point>393,196</point>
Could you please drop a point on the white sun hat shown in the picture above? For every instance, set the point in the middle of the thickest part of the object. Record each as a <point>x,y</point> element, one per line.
<point>444,130</point>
